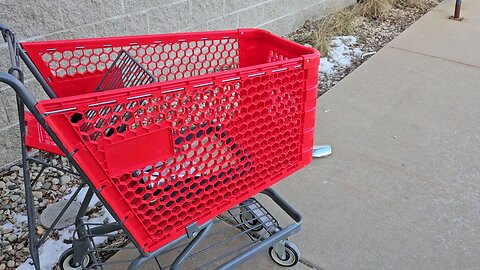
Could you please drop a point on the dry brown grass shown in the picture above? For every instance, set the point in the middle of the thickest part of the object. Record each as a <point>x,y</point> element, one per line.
<point>407,3</point>
<point>376,9</point>
<point>337,24</point>
<point>341,22</point>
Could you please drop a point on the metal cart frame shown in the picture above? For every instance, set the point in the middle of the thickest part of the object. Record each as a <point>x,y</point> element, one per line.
<point>277,241</point>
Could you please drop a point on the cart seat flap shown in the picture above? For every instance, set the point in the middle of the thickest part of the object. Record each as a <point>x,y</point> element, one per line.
<point>136,152</point>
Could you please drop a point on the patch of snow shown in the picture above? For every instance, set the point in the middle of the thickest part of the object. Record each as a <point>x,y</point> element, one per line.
<point>51,250</point>
<point>326,66</point>
<point>16,226</point>
<point>20,218</point>
<point>357,52</point>
<point>344,40</point>
<point>343,52</point>
<point>81,196</point>
<point>8,226</point>
<point>105,215</point>
<point>104,218</point>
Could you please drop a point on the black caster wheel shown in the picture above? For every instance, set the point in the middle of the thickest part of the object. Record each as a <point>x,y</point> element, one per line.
<point>66,261</point>
<point>250,223</point>
<point>292,255</point>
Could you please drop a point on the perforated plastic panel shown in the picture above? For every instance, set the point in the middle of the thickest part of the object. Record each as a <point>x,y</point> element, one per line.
<point>63,63</point>
<point>169,154</point>
<point>166,61</point>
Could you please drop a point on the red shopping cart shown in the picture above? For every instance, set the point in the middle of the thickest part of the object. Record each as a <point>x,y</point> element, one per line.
<point>231,114</point>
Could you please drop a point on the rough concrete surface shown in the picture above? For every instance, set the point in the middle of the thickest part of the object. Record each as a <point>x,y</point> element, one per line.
<point>446,39</point>
<point>401,189</point>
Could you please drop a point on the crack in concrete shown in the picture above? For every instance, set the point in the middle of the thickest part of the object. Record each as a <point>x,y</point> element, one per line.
<point>310,265</point>
<point>433,56</point>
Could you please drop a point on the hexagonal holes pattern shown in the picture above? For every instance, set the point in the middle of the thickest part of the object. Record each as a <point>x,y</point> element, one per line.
<point>230,140</point>
<point>111,123</point>
<point>167,61</point>
<point>275,56</point>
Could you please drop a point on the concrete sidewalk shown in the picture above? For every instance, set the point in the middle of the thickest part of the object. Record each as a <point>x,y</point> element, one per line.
<point>402,189</point>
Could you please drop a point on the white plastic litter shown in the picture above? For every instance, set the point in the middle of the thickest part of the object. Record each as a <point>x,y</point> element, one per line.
<point>321,151</point>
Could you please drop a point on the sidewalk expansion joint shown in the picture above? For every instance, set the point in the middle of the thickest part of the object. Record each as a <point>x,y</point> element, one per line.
<point>310,265</point>
<point>432,56</point>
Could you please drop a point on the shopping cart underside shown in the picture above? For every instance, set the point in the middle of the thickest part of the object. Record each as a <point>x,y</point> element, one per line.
<point>175,162</point>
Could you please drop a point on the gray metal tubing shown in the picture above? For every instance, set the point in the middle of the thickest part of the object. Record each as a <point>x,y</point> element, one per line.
<point>288,208</point>
<point>9,38</point>
<point>39,174</point>
<point>142,259</point>
<point>32,227</point>
<point>270,241</point>
<point>262,246</point>
<point>30,102</point>
<point>80,245</point>
<point>36,74</point>
<point>64,209</point>
<point>17,77</point>
<point>179,260</point>
<point>31,223</point>
<point>3,26</point>
<point>83,207</point>
<point>105,228</point>
<point>46,164</point>
<point>21,92</point>
<point>14,48</point>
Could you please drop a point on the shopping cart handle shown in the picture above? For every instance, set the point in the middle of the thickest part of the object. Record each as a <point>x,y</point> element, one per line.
<point>5,30</point>
<point>20,90</point>
<point>4,27</point>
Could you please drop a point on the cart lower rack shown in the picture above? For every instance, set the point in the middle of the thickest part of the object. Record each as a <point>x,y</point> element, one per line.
<point>232,113</point>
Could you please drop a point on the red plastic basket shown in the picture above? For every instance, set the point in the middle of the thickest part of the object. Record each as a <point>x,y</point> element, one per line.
<point>232,114</point>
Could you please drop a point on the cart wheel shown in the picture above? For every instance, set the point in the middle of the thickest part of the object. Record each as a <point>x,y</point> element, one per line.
<point>250,223</point>
<point>66,261</point>
<point>292,255</point>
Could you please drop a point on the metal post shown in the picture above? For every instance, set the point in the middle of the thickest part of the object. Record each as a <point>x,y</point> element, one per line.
<point>458,8</point>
